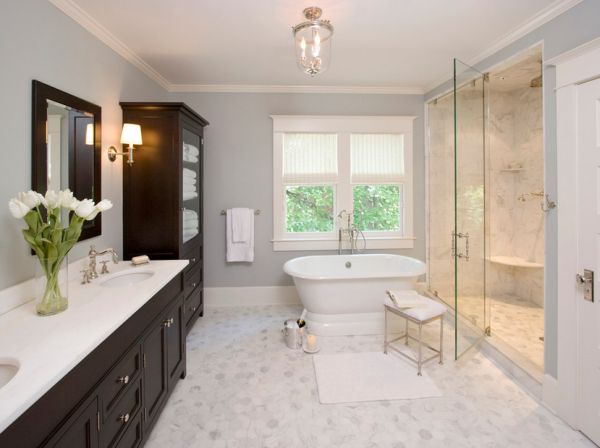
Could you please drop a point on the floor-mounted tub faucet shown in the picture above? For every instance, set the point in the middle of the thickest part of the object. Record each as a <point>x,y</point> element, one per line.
<point>351,231</point>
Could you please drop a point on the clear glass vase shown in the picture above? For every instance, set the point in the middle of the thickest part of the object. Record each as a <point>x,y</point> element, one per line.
<point>51,286</point>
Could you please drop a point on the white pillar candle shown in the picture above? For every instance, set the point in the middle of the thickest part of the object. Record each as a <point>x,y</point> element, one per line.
<point>311,342</point>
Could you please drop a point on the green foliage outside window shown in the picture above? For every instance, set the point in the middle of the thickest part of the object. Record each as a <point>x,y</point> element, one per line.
<point>377,207</point>
<point>309,209</point>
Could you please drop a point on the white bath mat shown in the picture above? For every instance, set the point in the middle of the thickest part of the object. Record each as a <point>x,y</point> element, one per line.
<point>353,377</point>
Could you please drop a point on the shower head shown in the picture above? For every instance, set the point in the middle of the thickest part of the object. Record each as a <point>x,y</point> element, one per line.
<point>536,82</point>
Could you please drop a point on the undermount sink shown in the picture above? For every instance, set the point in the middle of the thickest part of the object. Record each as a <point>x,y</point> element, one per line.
<point>8,369</point>
<point>126,278</point>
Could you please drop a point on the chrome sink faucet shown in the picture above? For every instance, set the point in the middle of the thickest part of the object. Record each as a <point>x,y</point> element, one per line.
<point>93,254</point>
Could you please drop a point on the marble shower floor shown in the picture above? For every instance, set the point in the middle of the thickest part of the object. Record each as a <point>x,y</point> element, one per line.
<point>517,322</point>
<point>244,388</point>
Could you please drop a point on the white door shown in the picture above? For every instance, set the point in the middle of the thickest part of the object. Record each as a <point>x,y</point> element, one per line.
<point>588,204</point>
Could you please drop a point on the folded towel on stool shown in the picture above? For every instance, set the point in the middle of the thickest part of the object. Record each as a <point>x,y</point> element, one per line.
<point>405,298</point>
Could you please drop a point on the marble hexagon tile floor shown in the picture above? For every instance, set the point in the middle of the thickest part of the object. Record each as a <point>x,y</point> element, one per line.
<point>245,389</point>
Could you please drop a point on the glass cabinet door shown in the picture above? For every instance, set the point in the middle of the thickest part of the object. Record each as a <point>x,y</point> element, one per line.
<point>191,184</point>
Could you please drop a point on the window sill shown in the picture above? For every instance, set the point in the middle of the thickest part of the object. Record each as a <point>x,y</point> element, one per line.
<point>332,244</point>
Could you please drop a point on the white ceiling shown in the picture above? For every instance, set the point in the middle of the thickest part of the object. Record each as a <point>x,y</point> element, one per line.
<point>401,44</point>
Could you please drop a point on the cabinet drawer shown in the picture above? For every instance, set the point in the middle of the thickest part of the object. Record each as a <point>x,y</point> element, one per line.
<point>122,416</point>
<point>119,378</point>
<point>194,254</point>
<point>132,438</point>
<point>193,304</point>
<point>191,280</point>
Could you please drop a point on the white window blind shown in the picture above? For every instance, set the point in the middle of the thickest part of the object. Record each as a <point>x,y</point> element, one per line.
<point>377,158</point>
<point>309,158</point>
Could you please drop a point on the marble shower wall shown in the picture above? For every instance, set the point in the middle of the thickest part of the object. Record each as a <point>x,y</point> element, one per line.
<point>516,221</point>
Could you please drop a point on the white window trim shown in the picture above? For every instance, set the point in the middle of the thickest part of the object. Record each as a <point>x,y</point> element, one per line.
<point>343,126</point>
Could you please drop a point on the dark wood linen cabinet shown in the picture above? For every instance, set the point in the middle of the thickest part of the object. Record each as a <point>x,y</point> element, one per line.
<point>162,193</point>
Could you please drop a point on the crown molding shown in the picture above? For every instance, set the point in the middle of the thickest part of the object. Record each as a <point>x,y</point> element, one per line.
<point>73,10</point>
<point>544,16</point>
<point>250,88</point>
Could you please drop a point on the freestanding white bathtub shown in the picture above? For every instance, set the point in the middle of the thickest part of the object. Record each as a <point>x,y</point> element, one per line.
<point>343,294</point>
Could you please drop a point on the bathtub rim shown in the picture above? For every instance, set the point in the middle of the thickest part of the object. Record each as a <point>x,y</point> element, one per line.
<point>422,270</point>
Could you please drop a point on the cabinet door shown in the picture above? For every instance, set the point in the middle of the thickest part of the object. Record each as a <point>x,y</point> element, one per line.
<point>81,431</point>
<point>175,342</point>
<point>191,184</point>
<point>155,371</point>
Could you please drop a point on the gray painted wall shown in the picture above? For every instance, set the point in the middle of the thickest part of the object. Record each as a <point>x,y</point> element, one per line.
<point>38,41</point>
<point>239,170</point>
<point>577,26</point>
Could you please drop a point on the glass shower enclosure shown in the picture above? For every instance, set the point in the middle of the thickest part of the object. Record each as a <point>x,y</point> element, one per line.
<point>458,242</point>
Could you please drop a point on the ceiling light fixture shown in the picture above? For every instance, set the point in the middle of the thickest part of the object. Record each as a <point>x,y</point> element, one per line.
<point>313,42</point>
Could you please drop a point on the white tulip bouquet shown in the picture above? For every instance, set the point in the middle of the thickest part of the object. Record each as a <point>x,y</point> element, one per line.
<point>50,241</point>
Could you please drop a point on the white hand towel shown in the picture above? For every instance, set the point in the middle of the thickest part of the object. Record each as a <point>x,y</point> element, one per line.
<point>189,173</point>
<point>189,181</point>
<point>240,224</point>
<point>189,188</point>
<point>404,299</point>
<point>240,251</point>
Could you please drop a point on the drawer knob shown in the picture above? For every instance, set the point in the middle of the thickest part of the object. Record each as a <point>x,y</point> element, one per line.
<point>124,418</point>
<point>171,320</point>
<point>193,260</point>
<point>123,379</point>
<point>193,309</point>
<point>193,285</point>
<point>166,323</point>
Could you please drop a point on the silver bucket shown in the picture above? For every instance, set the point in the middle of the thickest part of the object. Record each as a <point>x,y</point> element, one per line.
<point>292,334</point>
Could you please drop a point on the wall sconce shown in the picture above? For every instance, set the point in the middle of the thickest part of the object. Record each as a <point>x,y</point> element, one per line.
<point>131,135</point>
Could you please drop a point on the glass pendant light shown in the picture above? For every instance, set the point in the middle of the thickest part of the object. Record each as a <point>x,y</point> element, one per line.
<point>313,42</point>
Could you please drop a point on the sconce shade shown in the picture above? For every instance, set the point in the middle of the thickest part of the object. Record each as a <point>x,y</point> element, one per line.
<point>89,134</point>
<point>132,134</point>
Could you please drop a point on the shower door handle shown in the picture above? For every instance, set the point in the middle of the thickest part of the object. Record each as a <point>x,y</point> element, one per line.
<point>461,235</point>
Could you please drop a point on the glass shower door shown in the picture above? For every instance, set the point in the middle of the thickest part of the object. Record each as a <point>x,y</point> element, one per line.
<point>469,237</point>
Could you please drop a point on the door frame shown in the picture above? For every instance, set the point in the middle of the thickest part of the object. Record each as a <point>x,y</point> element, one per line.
<point>573,68</point>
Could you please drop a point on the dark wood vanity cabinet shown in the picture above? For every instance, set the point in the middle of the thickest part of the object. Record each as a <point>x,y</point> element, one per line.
<point>113,397</point>
<point>162,192</point>
<point>164,355</point>
<point>80,431</point>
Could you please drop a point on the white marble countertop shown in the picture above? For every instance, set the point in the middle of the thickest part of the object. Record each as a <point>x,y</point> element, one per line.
<point>47,348</point>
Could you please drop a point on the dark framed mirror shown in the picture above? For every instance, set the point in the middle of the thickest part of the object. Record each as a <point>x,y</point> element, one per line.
<point>66,150</point>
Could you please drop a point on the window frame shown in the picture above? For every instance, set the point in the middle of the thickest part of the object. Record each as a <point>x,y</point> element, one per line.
<point>343,126</point>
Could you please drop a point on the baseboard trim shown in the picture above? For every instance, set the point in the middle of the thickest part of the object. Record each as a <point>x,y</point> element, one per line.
<point>251,296</point>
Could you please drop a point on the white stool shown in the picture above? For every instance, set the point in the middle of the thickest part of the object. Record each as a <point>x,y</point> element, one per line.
<point>429,311</point>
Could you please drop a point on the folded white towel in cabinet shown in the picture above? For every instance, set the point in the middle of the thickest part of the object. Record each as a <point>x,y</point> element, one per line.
<point>191,150</point>
<point>187,173</point>
<point>189,181</point>
<point>187,195</point>
<point>190,225</point>
<point>189,188</point>
<point>189,234</point>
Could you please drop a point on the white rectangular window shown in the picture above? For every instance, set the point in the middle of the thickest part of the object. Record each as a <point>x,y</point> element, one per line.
<point>324,165</point>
